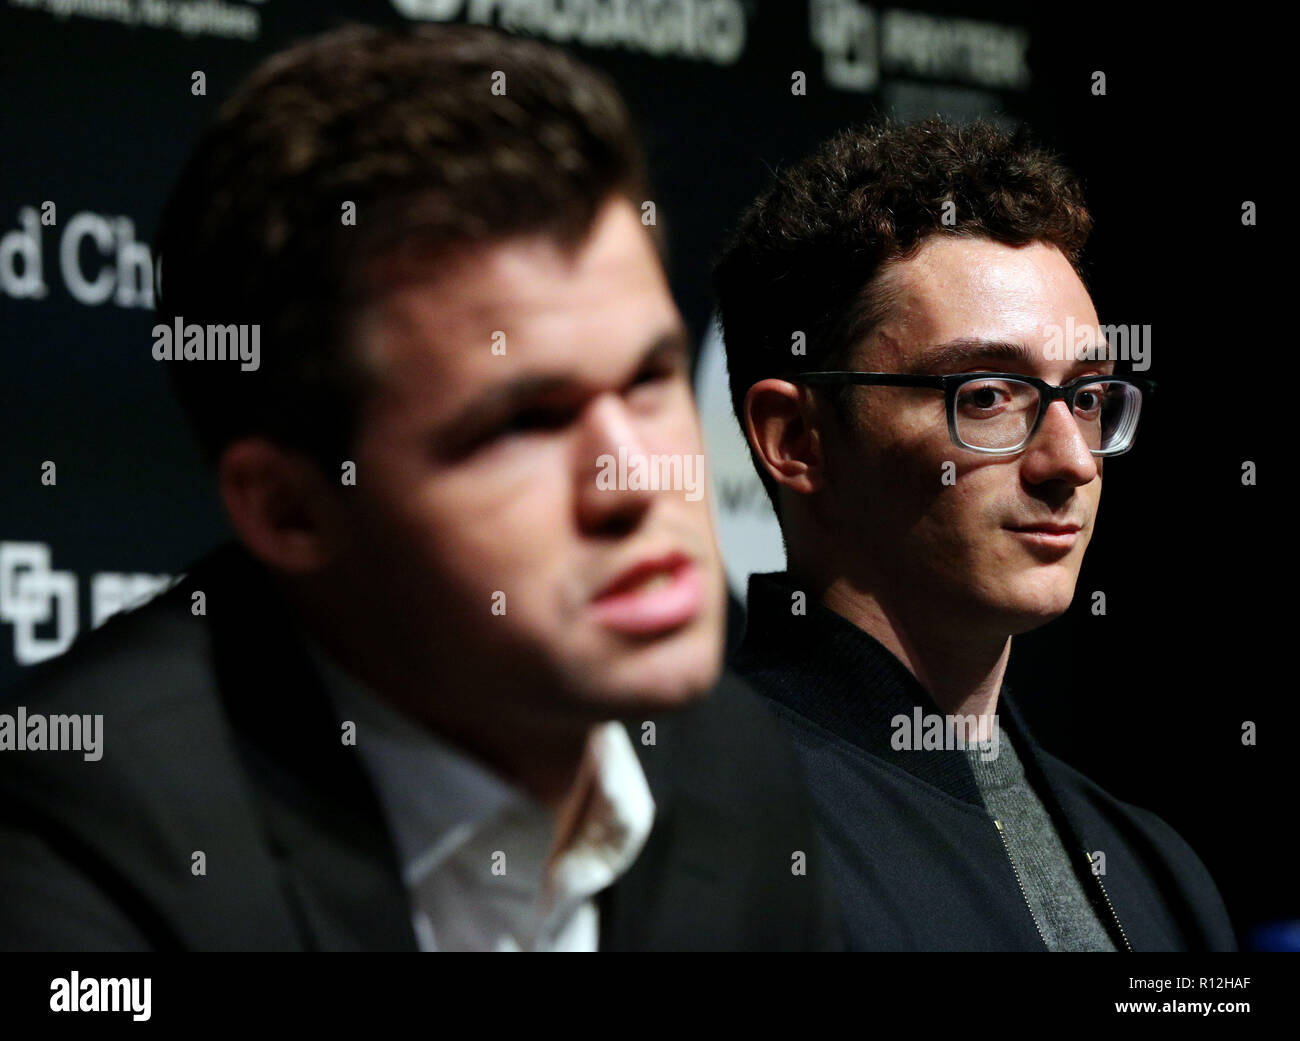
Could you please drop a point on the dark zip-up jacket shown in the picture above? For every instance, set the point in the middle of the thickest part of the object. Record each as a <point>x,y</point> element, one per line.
<point>916,857</point>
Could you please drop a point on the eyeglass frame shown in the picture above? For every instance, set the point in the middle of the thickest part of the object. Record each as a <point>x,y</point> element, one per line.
<point>950,384</point>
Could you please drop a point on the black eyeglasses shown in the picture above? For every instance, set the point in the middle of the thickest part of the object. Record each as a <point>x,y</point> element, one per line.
<point>998,413</point>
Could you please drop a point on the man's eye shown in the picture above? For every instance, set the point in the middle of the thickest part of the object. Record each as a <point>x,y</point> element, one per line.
<point>655,375</point>
<point>984,396</point>
<point>1089,402</point>
<point>535,419</point>
<point>650,386</point>
<point>527,421</point>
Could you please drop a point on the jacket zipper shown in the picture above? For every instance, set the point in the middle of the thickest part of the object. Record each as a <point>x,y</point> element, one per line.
<point>1111,907</point>
<point>1016,871</point>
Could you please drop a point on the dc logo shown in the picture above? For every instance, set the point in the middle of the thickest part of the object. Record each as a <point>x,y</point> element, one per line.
<point>33,595</point>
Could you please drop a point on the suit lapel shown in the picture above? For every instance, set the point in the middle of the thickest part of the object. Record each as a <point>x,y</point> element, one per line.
<point>677,881</point>
<point>323,820</point>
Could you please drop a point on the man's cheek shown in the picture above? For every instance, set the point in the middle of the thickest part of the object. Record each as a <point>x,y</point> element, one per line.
<point>487,506</point>
<point>1080,548</point>
<point>963,539</point>
<point>943,499</point>
<point>523,570</point>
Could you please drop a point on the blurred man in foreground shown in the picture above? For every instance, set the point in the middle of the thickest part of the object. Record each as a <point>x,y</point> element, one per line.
<point>450,689</point>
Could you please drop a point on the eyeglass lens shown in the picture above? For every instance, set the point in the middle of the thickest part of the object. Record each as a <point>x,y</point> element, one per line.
<point>1000,413</point>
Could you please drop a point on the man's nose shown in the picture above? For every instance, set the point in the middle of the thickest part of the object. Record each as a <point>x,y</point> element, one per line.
<point>610,447</point>
<point>1058,451</point>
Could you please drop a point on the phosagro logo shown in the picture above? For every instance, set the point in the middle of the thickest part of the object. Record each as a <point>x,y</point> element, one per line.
<point>73,994</point>
<point>707,30</point>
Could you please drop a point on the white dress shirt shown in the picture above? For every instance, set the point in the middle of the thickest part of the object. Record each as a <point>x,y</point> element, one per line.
<point>476,851</point>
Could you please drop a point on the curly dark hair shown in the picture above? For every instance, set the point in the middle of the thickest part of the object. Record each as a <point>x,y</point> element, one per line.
<point>405,125</point>
<point>806,255</point>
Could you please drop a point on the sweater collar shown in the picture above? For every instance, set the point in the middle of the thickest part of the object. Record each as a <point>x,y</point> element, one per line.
<point>823,667</point>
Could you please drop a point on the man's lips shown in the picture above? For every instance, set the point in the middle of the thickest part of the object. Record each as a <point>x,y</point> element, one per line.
<point>1047,529</point>
<point>654,595</point>
<point>1049,537</point>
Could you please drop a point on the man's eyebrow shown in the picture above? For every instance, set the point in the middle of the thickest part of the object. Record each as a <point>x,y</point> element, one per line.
<point>674,345</point>
<point>968,349</point>
<point>965,351</point>
<point>501,398</point>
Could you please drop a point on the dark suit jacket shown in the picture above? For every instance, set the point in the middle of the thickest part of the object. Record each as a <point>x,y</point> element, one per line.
<point>917,861</point>
<point>218,737</point>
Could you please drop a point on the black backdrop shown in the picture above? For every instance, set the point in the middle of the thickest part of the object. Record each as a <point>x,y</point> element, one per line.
<point>1149,699</point>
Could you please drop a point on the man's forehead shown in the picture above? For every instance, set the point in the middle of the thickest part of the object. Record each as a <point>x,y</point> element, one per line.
<point>976,290</point>
<point>952,273</point>
<point>522,273</point>
<point>521,326</point>
<point>466,294</point>
<point>549,294</point>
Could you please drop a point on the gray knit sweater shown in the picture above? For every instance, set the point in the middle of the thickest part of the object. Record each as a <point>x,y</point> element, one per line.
<point>1065,917</point>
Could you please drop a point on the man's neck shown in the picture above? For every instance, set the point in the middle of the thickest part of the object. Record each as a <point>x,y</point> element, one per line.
<point>962,672</point>
<point>546,767</point>
<point>538,757</point>
<point>541,755</point>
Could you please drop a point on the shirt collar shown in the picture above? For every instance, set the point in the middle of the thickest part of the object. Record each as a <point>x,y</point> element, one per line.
<point>606,820</point>
<point>436,797</point>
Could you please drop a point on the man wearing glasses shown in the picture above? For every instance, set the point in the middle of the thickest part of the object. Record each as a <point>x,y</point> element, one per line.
<point>892,309</point>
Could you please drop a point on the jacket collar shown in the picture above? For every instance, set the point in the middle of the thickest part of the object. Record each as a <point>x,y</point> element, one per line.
<point>319,811</point>
<point>822,666</point>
